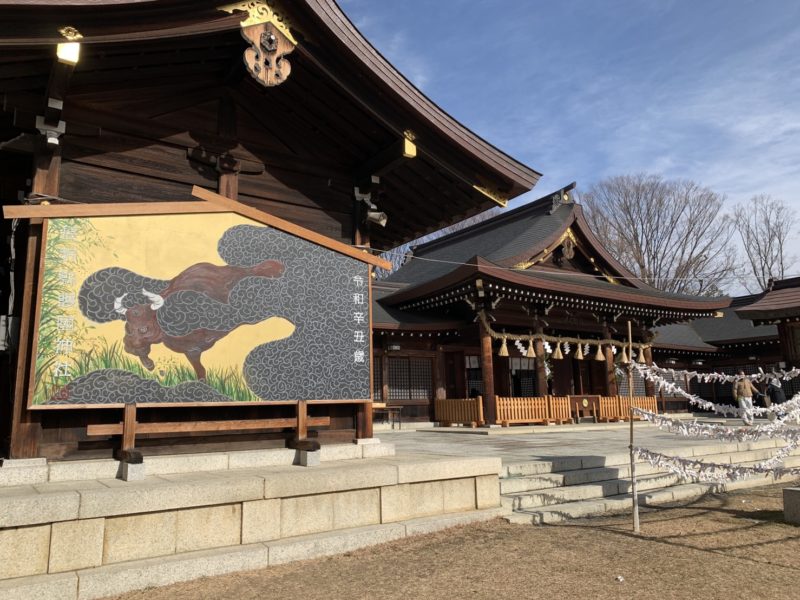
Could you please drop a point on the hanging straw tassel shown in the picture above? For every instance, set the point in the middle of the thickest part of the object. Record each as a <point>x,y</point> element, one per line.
<point>599,355</point>
<point>641,358</point>
<point>530,353</point>
<point>503,348</point>
<point>623,358</point>
<point>557,354</point>
<point>579,353</point>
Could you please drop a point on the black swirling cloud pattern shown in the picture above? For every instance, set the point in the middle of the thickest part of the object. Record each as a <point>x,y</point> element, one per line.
<point>315,292</point>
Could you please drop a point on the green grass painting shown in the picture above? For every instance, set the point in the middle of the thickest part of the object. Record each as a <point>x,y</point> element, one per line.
<point>65,353</point>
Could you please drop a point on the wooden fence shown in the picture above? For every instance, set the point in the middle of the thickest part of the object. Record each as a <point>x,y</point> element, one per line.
<point>535,409</point>
<point>618,408</point>
<point>466,411</point>
<point>559,409</point>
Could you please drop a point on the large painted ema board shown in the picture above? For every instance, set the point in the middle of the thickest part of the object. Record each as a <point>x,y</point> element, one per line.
<point>193,309</point>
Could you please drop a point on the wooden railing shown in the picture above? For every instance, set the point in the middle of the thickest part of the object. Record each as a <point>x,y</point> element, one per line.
<point>559,409</point>
<point>618,408</point>
<point>465,411</point>
<point>646,402</point>
<point>608,409</point>
<point>522,410</point>
<point>534,409</point>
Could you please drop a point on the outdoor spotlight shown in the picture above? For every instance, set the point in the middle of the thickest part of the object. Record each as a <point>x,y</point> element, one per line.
<point>69,52</point>
<point>377,217</point>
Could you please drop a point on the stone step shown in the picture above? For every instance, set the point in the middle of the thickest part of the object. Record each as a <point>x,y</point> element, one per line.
<point>531,483</point>
<point>621,503</point>
<point>528,483</point>
<point>594,469</point>
<point>591,491</point>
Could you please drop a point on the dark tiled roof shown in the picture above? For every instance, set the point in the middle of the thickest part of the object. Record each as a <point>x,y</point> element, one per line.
<point>680,335</point>
<point>783,300</point>
<point>708,333</point>
<point>386,316</point>
<point>525,229</point>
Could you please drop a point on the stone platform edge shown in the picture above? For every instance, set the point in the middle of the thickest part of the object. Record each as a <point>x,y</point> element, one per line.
<point>59,527</point>
<point>34,471</point>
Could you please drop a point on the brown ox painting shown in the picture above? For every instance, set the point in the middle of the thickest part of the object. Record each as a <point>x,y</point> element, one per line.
<point>188,309</point>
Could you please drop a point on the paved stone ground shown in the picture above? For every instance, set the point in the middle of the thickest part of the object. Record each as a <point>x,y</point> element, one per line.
<point>539,445</point>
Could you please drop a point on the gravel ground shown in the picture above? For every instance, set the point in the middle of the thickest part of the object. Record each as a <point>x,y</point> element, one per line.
<point>723,546</point>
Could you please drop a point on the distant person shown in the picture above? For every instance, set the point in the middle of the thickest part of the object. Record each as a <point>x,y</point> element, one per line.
<point>774,395</point>
<point>743,391</point>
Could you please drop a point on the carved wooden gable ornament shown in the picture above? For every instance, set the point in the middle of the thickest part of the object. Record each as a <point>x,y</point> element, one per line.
<point>270,41</point>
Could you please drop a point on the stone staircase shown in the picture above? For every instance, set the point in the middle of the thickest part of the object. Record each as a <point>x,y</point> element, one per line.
<point>571,487</point>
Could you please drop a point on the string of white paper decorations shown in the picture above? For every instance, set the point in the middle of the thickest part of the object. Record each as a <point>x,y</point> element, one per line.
<point>714,472</point>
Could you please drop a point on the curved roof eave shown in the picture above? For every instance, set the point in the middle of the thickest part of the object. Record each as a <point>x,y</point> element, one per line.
<point>634,296</point>
<point>329,13</point>
<point>179,18</point>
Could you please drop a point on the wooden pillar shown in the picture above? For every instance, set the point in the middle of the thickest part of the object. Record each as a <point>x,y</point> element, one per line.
<point>439,376</point>
<point>26,427</point>
<point>25,424</point>
<point>487,371</point>
<point>384,378</point>
<point>541,371</point>
<point>227,166</point>
<point>611,375</point>
<point>649,386</point>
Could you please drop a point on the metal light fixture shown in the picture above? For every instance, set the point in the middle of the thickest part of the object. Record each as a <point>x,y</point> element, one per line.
<point>373,214</point>
<point>377,217</point>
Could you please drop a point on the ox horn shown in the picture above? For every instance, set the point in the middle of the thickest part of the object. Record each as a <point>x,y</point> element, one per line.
<point>156,301</point>
<point>118,305</point>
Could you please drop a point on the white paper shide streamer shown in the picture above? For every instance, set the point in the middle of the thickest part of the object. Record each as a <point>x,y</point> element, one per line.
<point>689,469</point>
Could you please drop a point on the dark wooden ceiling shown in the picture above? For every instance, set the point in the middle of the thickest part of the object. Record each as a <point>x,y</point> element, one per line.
<point>312,133</point>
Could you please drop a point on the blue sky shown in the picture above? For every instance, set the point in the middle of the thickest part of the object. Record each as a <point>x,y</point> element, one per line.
<point>707,90</point>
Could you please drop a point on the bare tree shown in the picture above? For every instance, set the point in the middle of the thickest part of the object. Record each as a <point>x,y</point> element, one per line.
<point>764,225</point>
<point>670,233</point>
<point>398,256</point>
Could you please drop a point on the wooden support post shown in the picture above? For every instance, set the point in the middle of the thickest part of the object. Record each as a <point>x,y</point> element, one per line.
<point>126,452</point>
<point>227,166</point>
<point>129,427</point>
<point>649,386</point>
<point>634,491</point>
<point>611,374</point>
<point>25,424</point>
<point>364,421</point>
<point>487,371</point>
<point>26,427</point>
<point>541,371</point>
<point>302,420</point>
<point>384,378</point>
<point>300,440</point>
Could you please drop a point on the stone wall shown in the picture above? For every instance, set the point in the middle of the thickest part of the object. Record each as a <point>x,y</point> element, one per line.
<point>72,527</point>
